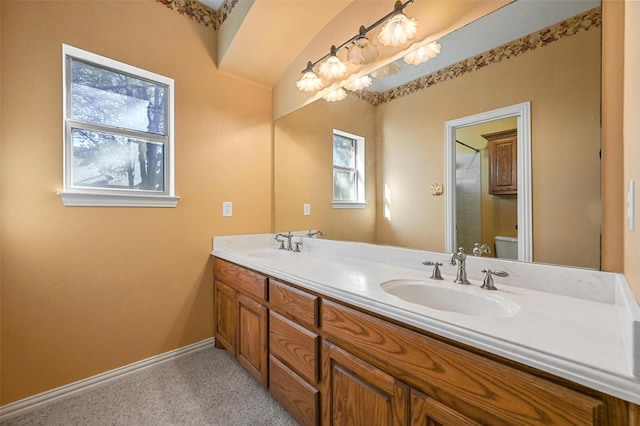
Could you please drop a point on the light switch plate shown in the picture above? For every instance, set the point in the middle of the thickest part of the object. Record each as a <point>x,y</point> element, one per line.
<point>227,208</point>
<point>307,209</point>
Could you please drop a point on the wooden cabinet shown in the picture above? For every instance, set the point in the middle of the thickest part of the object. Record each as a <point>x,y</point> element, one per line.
<point>241,316</point>
<point>226,323</point>
<point>426,411</point>
<point>294,351</point>
<point>300,398</point>
<point>468,385</point>
<point>332,364</point>
<point>358,394</point>
<point>503,162</point>
<point>252,337</point>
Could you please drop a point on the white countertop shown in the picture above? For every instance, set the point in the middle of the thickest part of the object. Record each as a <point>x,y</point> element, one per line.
<point>578,324</point>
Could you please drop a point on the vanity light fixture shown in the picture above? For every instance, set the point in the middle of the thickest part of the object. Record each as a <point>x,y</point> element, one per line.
<point>359,83</point>
<point>388,70</point>
<point>332,68</point>
<point>363,51</point>
<point>398,29</point>
<point>335,96</point>
<point>360,49</point>
<point>423,53</point>
<point>309,82</point>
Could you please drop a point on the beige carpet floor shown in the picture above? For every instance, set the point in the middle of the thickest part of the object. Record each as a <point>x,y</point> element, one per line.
<point>205,388</point>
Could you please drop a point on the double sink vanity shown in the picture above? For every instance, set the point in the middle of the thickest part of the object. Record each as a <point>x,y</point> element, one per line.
<point>354,333</point>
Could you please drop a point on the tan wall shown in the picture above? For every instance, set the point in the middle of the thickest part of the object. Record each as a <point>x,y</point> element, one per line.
<point>631,139</point>
<point>303,172</point>
<point>565,134</point>
<point>86,290</point>
<point>613,202</point>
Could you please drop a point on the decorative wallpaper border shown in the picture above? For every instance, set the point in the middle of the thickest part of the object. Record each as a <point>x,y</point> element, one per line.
<point>200,13</point>
<point>583,22</point>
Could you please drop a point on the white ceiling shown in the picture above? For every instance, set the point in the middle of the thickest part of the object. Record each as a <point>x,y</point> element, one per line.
<point>266,36</point>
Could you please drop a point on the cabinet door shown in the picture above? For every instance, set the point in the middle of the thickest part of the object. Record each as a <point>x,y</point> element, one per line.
<point>357,394</point>
<point>426,411</point>
<point>503,162</point>
<point>226,317</point>
<point>252,337</point>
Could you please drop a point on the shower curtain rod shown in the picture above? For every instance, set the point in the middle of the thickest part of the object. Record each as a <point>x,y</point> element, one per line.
<point>470,147</point>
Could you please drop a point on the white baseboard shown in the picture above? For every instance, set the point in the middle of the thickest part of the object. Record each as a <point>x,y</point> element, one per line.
<point>74,389</point>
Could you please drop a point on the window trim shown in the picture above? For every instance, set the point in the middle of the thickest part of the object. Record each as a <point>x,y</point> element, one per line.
<point>115,197</point>
<point>361,202</point>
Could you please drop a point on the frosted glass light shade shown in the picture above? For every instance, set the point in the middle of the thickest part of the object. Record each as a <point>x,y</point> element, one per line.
<point>387,70</point>
<point>423,53</point>
<point>359,83</point>
<point>332,68</point>
<point>397,30</point>
<point>336,95</point>
<point>362,51</point>
<point>309,82</point>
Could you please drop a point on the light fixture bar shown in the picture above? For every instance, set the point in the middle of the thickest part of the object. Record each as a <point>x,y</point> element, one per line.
<point>398,7</point>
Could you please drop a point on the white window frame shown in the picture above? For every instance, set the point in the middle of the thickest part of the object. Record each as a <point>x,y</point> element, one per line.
<point>359,169</point>
<point>115,197</point>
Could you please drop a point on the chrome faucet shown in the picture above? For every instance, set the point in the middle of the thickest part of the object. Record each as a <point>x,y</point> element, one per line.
<point>479,249</point>
<point>460,259</point>
<point>313,233</point>
<point>288,237</point>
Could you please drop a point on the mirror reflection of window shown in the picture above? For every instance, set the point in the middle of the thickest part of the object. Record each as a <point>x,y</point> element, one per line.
<point>348,168</point>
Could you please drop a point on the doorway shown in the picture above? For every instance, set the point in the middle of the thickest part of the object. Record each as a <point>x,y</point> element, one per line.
<point>519,114</point>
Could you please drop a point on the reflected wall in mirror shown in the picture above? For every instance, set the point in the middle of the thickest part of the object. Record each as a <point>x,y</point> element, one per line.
<point>558,70</point>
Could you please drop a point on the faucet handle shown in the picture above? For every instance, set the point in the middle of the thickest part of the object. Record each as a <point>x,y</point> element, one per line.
<point>435,275</point>
<point>297,249</point>
<point>487,284</point>
<point>479,249</point>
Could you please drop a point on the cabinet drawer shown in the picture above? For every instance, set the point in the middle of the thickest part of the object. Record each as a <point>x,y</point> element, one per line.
<point>493,393</point>
<point>294,303</point>
<point>295,346</point>
<point>241,279</point>
<point>297,396</point>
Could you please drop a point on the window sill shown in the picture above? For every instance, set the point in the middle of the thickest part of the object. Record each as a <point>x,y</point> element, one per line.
<point>82,199</point>
<point>349,205</point>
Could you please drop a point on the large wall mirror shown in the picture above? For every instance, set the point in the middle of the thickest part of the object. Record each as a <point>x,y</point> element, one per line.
<point>554,67</point>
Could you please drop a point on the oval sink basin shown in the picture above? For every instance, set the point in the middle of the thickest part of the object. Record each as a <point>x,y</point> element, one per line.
<point>449,299</point>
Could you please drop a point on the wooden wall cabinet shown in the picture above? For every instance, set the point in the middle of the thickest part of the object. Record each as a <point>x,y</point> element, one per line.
<point>331,364</point>
<point>242,317</point>
<point>503,162</point>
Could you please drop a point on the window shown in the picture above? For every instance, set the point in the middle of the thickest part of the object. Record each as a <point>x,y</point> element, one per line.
<point>348,170</point>
<point>118,133</point>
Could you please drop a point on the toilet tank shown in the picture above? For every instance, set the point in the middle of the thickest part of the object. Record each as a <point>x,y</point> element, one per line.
<point>506,247</point>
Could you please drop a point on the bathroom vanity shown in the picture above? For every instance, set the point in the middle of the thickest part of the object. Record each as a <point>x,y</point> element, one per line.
<point>322,332</point>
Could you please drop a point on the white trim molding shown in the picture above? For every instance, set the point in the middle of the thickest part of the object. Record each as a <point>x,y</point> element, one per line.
<point>41,400</point>
<point>522,112</point>
<point>82,199</point>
